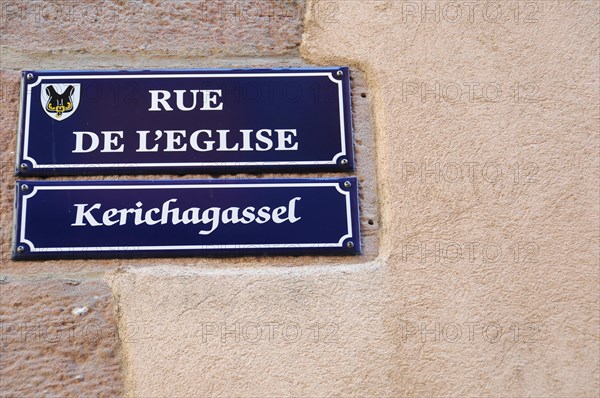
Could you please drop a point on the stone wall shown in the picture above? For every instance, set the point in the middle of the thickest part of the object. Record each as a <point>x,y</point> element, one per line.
<point>476,139</point>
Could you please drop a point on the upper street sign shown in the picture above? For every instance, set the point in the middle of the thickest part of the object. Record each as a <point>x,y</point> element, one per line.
<point>125,122</point>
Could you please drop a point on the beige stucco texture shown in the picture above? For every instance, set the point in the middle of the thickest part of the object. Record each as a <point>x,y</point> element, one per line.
<point>477,148</point>
<point>486,283</point>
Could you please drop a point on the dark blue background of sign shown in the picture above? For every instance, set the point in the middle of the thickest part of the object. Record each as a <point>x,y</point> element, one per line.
<point>307,104</point>
<point>322,211</point>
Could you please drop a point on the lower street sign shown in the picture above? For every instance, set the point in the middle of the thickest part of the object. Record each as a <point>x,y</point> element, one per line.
<point>90,219</point>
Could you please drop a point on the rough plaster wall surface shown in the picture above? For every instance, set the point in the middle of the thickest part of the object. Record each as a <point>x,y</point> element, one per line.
<point>472,249</point>
<point>482,271</point>
<point>255,332</point>
<point>115,35</point>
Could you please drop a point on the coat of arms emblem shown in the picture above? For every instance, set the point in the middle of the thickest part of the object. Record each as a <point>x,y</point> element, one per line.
<point>60,100</point>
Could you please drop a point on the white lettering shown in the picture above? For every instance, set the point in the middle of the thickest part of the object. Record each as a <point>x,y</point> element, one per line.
<point>79,138</point>
<point>283,139</point>
<point>194,141</point>
<point>246,140</point>
<point>199,141</point>
<point>180,105</point>
<point>111,141</point>
<point>292,205</point>
<point>87,215</point>
<point>143,147</point>
<point>212,217</point>
<point>174,137</point>
<point>108,214</point>
<point>223,141</point>
<point>155,100</point>
<point>263,215</point>
<point>260,137</point>
<point>210,97</point>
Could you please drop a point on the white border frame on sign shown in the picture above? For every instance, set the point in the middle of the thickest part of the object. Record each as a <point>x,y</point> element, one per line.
<point>24,198</point>
<point>185,164</point>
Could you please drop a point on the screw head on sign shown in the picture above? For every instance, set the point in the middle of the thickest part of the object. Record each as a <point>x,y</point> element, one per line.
<point>350,244</point>
<point>29,76</point>
<point>20,249</point>
<point>24,187</point>
<point>339,73</point>
<point>347,184</point>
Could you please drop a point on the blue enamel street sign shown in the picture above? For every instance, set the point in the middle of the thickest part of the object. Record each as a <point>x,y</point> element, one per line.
<point>126,122</point>
<point>89,219</point>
